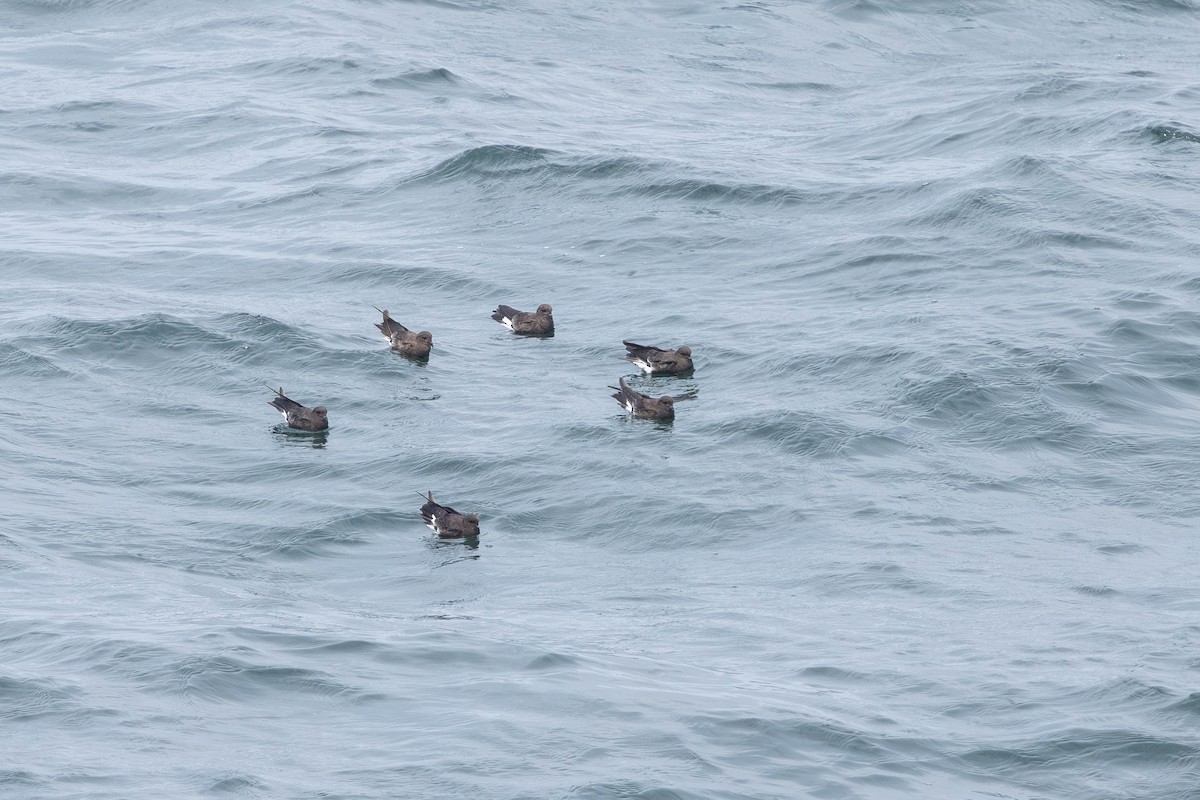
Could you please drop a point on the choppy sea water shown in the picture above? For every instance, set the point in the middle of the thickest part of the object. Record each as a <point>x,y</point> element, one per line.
<point>924,525</point>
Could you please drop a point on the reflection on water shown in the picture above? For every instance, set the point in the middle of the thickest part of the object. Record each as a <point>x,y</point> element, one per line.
<point>420,361</point>
<point>452,551</point>
<point>296,438</point>
<point>677,386</point>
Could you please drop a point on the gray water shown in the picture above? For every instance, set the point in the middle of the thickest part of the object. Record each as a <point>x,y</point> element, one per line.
<point>924,526</point>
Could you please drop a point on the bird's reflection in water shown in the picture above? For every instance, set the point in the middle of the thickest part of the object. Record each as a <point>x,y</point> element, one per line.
<point>290,437</point>
<point>452,551</point>
<point>690,393</point>
<point>675,385</point>
<point>420,361</point>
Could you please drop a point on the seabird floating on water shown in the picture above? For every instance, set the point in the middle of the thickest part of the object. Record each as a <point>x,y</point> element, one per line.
<point>404,341</point>
<point>448,523</point>
<point>644,406</point>
<point>300,417</point>
<point>657,361</point>
<point>537,323</point>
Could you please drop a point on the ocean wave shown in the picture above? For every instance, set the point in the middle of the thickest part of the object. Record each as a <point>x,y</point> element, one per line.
<point>327,539</point>
<point>16,777</point>
<point>487,161</point>
<point>27,699</point>
<point>880,576</point>
<point>1139,8</point>
<point>711,191</point>
<point>797,432</point>
<point>619,176</point>
<point>421,78</point>
<point>451,5</point>
<point>414,273</point>
<point>415,651</point>
<point>1186,709</point>
<point>178,349</point>
<point>299,65</point>
<point>807,750</point>
<point>156,329</point>
<point>43,190</point>
<point>74,6</point>
<point>799,86</point>
<point>1129,693</point>
<point>88,116</point>
<point>848,364</point>
<point>644,789</point>
<point>1171,133</point>
<point>239,784</point>
<point>177,346</point>
<point>18,361</point>
<point>226,678</point>
<point>1106,749</point>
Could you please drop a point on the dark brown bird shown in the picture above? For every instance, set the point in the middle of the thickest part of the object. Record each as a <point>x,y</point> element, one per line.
<point>404,341</point>
<point>448,523</point>
<point>300,417</point>
<point>537,323</point>
<point>656,361</point>
<point>644,406</point>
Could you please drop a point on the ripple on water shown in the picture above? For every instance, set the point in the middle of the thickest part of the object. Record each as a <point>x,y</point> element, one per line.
<point>1104,749</point>
<point>224,678</point>
<point>486,162</point>
<point>17,361</point>
<point>236,783</point>
<point>586,175</point>
<point>18,778</point>
<point>133,339</point>
<point>419,79</point>
<point>1185,710</point>
<point>329,539</point>
<point>809,751</point>
<point>886,577</point>
<point>1171,133</point>
<point>799,432</point>
<point>27,699</point>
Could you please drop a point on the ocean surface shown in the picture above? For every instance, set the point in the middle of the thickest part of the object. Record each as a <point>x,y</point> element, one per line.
<point>925,525</point>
